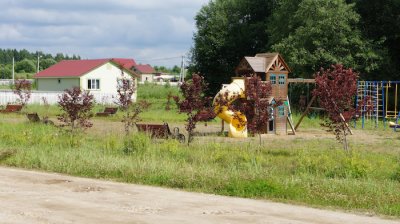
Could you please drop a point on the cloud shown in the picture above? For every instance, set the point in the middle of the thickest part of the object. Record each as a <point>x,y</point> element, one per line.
<point>148,29</point>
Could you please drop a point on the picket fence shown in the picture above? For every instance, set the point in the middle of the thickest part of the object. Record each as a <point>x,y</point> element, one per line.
<point>7,96</point>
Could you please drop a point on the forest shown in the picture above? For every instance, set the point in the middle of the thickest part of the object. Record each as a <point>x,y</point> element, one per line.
<point>26,61</point>
<point>360,34</point>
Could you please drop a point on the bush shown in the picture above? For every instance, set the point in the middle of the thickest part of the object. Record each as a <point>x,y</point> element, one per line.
<point>5,73</point>
<point>25,66</point>
<point>135,143</point>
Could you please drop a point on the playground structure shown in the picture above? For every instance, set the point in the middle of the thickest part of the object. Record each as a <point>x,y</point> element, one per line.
<point>233,91</point>
<point>378,100</point>
<point>270,67</point>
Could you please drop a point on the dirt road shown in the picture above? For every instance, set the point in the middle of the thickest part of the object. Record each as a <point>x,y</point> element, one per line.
<point>34,197</point>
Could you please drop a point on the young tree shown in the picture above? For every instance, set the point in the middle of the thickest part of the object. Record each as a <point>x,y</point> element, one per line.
<point>194,103</point>
<point>335,89</point>
<point>76,106</point>
<point>255,105</point>
<point>125,89</point>
<point>168,104</point>
<point>23,89</point>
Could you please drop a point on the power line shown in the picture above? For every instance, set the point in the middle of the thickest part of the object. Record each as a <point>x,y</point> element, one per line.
<point>159,59</point>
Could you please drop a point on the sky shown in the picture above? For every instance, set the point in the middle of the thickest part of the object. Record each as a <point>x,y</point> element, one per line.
<point>156,32</point>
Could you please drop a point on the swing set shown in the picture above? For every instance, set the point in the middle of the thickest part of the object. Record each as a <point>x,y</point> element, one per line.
<point>378,100</point>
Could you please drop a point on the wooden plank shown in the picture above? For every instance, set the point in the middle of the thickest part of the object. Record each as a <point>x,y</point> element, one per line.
<point>301,80</point>
<point>291,125</point>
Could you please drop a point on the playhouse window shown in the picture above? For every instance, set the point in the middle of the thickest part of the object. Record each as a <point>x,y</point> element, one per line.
<point>281,111</point>
<point>282,79</point>
<point>93,84</point>
<point>272,78</point>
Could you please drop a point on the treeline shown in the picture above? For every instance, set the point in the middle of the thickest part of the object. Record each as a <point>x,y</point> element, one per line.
<point>310,34</point>
<point>174,70</point>
<point>26,62</point>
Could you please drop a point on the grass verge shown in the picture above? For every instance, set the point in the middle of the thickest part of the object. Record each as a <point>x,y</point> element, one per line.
<point>305,171</point>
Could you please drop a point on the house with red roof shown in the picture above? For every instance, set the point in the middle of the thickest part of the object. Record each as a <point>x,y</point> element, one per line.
<point>146,72</point>
<point>98,75</point>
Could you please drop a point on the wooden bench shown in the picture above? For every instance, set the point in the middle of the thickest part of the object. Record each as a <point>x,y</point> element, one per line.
<point>12,108</point>
<point>161,131</point>
<point>107,112</point>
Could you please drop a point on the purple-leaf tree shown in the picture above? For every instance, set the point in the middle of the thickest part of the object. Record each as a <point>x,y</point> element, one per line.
<point>77,108</point>
<point>168,104</point>
<point>335,89</point>
<point>255,105</point>
<point>125,90</point>
<point>194,103</point>
<point>23,89</point>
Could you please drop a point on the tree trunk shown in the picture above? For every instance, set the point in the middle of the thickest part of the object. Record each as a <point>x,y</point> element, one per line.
<point>345,143</point>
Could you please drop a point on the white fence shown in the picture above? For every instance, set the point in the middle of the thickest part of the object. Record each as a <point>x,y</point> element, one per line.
<point>10,81</point>
<point>7,96</point>
<point>162,83</point>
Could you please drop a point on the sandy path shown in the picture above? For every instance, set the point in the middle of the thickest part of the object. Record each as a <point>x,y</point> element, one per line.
<point>34,197</point>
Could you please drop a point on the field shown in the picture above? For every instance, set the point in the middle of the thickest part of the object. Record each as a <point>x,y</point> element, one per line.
<point>310,168</point>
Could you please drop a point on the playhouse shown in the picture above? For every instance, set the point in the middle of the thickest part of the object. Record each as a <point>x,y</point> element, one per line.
<point>270,67</point>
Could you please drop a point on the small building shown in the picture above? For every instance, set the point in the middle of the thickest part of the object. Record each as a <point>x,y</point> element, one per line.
<point>98,75</point>
<point>146,72</point>
<point>272,68</point>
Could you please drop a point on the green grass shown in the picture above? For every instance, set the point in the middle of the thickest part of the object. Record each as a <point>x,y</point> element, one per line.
<point>313,171</point>
<point>303,170</point>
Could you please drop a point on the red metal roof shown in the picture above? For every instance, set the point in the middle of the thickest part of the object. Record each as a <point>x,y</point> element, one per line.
<point>127,63</point>
<point>77,68</point>
<point>145,69</point>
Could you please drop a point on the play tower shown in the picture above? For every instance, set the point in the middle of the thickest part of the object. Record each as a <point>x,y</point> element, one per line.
<point>270,67</point>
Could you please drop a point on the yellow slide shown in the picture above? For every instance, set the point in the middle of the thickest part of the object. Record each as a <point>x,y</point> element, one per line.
<point>236,120</point>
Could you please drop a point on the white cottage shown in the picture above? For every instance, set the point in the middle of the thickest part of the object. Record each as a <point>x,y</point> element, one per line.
<point>99,75</point>
<point>146,72</point>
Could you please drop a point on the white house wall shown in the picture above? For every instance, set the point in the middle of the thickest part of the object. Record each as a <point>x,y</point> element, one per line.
<point>147,77</point>
<point>108,74</point>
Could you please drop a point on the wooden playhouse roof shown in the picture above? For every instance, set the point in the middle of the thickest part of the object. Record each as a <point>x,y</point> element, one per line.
<point>264,62</point>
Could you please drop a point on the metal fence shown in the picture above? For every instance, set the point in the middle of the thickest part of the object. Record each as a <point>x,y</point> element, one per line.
<point>7,96</point>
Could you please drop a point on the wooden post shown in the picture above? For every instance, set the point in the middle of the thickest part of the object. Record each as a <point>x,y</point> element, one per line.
<point>347,125</point>
<point>305,112</point>
<point>222,126</point>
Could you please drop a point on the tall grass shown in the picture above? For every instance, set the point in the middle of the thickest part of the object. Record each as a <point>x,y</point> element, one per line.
<point>312,171</point>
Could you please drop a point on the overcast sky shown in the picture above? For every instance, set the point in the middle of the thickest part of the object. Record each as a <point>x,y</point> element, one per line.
<point>141,29</point>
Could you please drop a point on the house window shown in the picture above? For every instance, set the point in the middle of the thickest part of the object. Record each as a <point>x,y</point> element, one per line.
<point>281,111</point>
<point>272,78</point>
<point>93,84</point>
<point>282,79</point>
<point>59,81</point>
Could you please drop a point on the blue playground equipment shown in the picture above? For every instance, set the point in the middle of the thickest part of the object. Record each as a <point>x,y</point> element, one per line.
<point>378,100</point>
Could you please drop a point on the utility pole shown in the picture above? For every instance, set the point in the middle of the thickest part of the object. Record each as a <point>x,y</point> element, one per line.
<point>38,56</point>
<point>13,73</point>
<point>182,74</point>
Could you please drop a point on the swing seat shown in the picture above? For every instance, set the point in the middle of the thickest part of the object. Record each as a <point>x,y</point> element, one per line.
<point>393,125</point>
